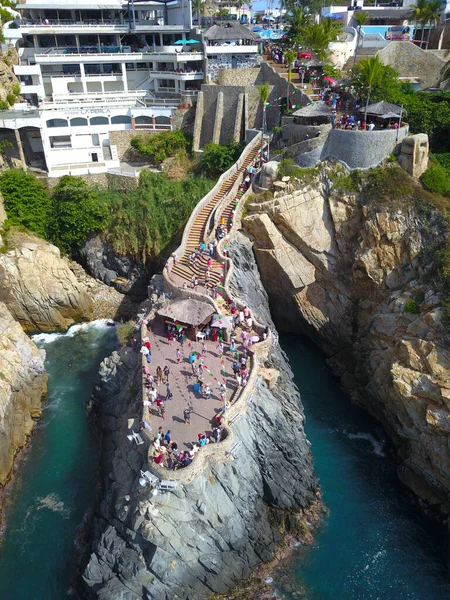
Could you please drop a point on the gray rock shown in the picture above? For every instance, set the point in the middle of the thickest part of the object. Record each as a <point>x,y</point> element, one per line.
<point>210,536</point>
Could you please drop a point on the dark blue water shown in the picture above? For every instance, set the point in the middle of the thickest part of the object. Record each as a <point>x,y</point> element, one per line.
<point>56,480</point>
<point>376,544</point>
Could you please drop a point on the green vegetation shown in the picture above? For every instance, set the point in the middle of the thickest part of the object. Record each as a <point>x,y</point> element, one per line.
<point>77,210</point>
<point>288,168</point>
<point>436,178</point>
<point>5,15</point>
<point>161,145</point>
<point>27,201</point>
<point>217,159</point>
<point>125,332</point>
<point>4,105</point>
<point>140,222</point>
<point>411,306</point>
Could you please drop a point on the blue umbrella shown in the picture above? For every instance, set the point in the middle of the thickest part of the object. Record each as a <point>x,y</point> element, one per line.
<point>257,28</point>
<point>185,42</point>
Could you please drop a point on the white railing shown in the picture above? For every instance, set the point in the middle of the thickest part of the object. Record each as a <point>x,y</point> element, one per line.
<point>372,40</point>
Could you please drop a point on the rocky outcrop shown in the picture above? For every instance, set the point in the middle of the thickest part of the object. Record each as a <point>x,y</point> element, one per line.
<point>126,274</point>
<point>352,276</point>
<point>206,536</point>
<point>38,286</point>
<point>22,384</point>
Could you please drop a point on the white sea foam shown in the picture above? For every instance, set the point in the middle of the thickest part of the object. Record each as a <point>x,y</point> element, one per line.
<point>377,445</point>
<point>48,338</point>
<point>54,503</point>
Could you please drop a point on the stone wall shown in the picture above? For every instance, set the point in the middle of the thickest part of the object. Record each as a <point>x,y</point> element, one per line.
<point>242,77</point>
<point>411,61</point>
<point>361,149</point>
<point>183,118</point>
<point>122,140</point>
<point>225,62</point>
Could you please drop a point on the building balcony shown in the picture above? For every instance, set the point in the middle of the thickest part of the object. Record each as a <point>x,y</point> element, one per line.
<point>211,50</point>
<point>45,56</point>
<point>85,100</point>
<point>53,27</point>
<point>180,76</point>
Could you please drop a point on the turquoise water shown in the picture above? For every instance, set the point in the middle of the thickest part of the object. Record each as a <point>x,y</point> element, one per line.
<point>375,543</point>
<point>56,481</point>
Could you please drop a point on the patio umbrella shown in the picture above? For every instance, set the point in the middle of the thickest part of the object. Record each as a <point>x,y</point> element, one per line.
<point>257,28</point>
<point>254,338</point>
<point>185,42</point>
<point>329,79</point>
<point>305,55</point>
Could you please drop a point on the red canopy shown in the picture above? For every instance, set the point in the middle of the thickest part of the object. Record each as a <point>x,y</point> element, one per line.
<point>305,55</point>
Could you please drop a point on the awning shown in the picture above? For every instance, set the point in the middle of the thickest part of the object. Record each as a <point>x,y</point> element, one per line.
<point>222,321</point>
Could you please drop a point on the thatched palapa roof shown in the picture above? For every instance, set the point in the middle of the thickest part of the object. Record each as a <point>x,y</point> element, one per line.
<point>228,32</point>
<point>187,311</point>
<point>315,109</point>
<point>382,109</point>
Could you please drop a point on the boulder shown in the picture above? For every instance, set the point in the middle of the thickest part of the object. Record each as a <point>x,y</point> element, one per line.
<point>414,154</point>
<point>39,288</point>
<point>268,174</point>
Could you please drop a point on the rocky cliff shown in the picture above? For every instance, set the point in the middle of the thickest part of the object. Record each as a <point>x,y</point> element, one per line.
<point>210,533</point>
<point>38,286</point>
<point>22,385</point>
<point>354,274</point>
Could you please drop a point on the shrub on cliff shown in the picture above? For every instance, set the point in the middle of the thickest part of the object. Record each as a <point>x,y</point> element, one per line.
<point>27,202</point>
<point>436,179</point>
<point>217,159</point>
<point>77,211</point>
<point>161,145</point>
<point>143,222</point>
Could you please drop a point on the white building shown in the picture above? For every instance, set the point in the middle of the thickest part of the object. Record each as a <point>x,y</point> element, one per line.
<point>93,69</point>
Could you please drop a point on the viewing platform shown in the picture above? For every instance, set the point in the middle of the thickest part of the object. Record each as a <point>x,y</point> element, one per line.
<point>214,361</point>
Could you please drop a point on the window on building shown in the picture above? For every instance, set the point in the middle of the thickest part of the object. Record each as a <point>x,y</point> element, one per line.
<point>60,141</point>
<point>57,123</point>
<point>99,120</point>
<point>125,119</point>
<point>78,122</point>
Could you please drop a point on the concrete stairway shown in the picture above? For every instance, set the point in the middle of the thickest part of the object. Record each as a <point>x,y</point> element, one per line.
<point>198,232</point>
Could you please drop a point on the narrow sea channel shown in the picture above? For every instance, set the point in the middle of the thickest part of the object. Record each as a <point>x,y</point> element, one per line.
<point>56,481</point>
<point>375,544</point>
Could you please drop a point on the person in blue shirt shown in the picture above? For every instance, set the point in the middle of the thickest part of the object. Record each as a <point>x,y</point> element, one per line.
<point>168,437</point>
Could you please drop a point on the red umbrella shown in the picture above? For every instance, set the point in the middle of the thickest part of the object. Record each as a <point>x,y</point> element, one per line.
<point>305,55</point>
<point>329,79</point>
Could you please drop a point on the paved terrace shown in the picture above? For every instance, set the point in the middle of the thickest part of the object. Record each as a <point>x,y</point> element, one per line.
<point>223,203</point>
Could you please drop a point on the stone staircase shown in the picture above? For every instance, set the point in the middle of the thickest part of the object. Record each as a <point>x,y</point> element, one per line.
<point>199,232</point>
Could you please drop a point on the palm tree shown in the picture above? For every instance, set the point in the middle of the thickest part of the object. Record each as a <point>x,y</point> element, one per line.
<point>296,22</point>
<point>434,16</point>
<point>239,4</point>
<point>360,18</point>
<point>264,96</point>
<point>370,71</point>
<point>317,37</point>
<point>419,13</point>
<point>289,57</point>
<point>197,7</point>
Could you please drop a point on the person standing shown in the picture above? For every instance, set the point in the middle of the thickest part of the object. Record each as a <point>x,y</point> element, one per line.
<point>187,416</point>
<point>166,373</point>
<point>178,356</point>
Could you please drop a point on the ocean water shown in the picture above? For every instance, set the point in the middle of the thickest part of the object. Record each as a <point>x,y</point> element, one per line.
<point>376,543</point>
<point>56,480</point>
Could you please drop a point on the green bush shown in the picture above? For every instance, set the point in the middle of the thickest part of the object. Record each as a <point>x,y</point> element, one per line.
<point>4,105</point>
<point>160,146</point>
<point>436,179</point>
<point>288,168</point>
<point>217,159</point>
<point>77,211</point>
<point>411,306</point>
<point>125,332</point>
<point>27,201</point>
<point>143,222</point>
<point>11,98</point>
<point>16,89</point>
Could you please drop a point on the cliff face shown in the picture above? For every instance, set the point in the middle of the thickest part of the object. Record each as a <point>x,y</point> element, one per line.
<point>22,384</point>
<point>38,286</point>
<point>343,273</point>
<point>207,535</point>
